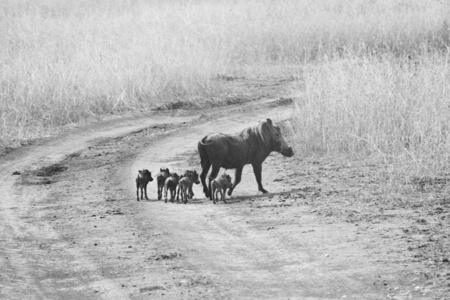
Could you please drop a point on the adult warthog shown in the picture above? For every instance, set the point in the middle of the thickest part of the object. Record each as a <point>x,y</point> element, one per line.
<point>251,146</point>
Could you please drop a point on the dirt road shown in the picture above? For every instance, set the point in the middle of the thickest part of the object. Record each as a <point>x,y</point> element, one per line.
<point>71,227</point>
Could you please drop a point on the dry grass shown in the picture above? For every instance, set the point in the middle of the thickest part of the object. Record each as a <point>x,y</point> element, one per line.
<point>67,61</point>
<point>397,108</point>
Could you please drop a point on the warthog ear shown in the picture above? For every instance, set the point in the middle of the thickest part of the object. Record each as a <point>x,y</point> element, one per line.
<point>269,122</point>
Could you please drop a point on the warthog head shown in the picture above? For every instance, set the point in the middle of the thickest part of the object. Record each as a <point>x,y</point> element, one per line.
<point>277,140</point>
<point>196,180</point>
<point>145,174</point>
<point>193,175</point>
<point>175,176</point>
<point>228,180</point>
<point>166,170</point>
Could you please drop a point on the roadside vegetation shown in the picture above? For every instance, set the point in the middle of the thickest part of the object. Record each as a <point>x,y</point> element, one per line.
<point>373,74</point>
<point>394,108</point>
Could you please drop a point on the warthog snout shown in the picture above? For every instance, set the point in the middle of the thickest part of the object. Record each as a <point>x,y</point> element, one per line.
<point>287,152</point>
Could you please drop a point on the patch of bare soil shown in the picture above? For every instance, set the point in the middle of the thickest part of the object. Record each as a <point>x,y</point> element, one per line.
<point>72,228</point>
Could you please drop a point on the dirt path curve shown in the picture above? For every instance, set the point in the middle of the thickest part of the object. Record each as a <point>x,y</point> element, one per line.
<point>21,247</point>
<point>72,229</point>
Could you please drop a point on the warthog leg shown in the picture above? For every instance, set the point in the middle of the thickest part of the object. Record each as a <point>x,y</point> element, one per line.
<point>178,193</point>
<point>165,194</point>
<point>222,194</point>
<point>145,190</point>
<point>159,192</point>
<point>205,168</point>
<point>257,168</point>
<point>237,179</point>
<point>215,170</point>
<point>172,194</point>
<point>185,194</point>
<point>214,193</point>
<point>137,191</point>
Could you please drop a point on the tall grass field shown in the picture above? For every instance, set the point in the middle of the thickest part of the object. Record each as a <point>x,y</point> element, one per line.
<point>395,108</point>
<point>374,74</point>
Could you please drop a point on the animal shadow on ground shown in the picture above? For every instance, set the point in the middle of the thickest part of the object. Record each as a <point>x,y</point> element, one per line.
<point>237,199</point>
<point>233,199</point>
